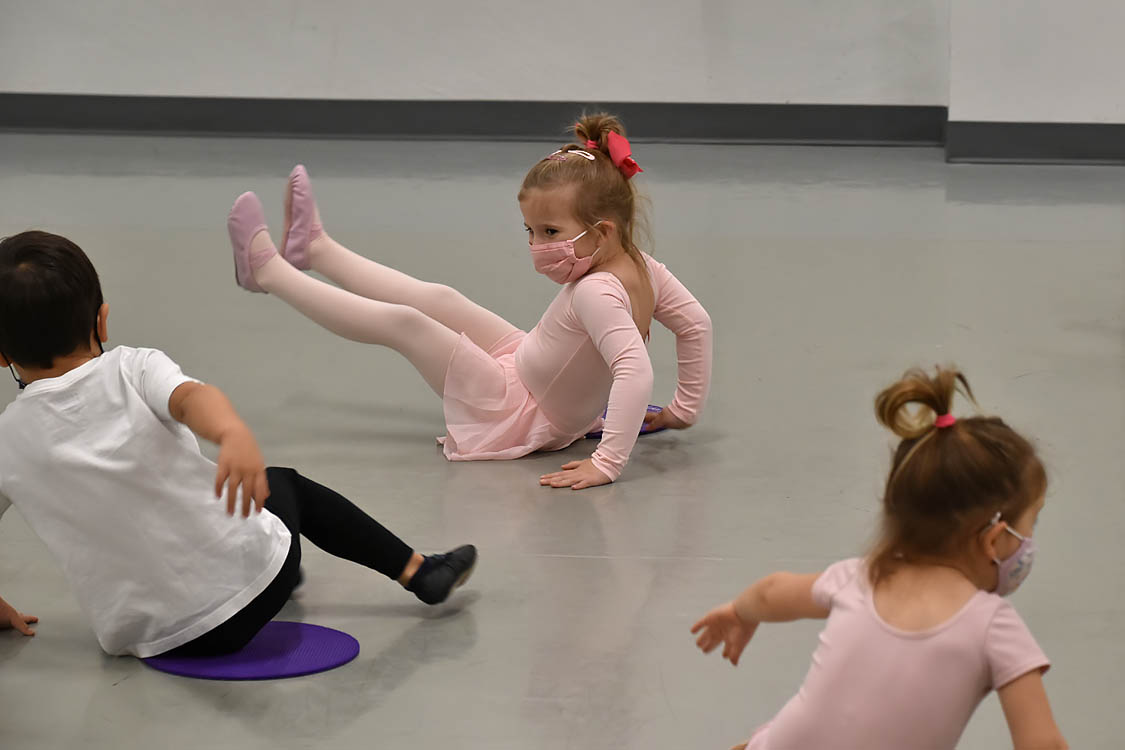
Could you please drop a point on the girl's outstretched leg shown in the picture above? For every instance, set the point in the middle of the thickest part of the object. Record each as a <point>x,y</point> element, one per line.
<point>309,246</point>
<point>426,343</point>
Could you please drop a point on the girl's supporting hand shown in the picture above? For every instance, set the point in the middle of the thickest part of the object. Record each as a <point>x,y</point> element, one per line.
<point>241,464</point>
<point>11,618</point>
<point>577,475</point>
<point>741,745</point>
<point>665,419</point>
<point>722,625</point>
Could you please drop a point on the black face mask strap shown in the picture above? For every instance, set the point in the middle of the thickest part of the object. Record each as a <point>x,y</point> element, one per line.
<point>21,384</point>
<point>97,337</point>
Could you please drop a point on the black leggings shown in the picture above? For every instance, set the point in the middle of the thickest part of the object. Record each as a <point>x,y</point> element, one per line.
<point>326,519</point>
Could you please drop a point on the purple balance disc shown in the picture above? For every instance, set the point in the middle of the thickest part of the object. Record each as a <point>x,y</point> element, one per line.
<point>652,409</point>
<point>280,649</point>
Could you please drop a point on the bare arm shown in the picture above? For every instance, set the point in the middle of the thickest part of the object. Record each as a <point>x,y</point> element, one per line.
<point>10,617</point>
<point>779,597</point>
<point>205,410</point>
<point>210,415</point>
<point>1029,716</point>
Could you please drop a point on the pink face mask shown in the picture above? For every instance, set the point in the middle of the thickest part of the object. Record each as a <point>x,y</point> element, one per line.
<point>1012,570</point>
<point>557,261</point>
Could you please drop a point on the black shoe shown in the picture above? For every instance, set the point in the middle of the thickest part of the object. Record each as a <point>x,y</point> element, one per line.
<point>438,575</point>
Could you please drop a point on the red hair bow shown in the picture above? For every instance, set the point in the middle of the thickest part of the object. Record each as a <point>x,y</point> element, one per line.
<point>621,154</point>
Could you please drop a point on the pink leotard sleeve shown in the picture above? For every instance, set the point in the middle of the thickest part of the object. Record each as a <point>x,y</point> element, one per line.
<point>1010,647</point>
<point>602,307</point>
<point>678,311</point>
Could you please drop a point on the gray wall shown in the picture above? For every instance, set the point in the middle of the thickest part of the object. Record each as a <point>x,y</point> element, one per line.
<point>1038,61</point>
<point>1029,61</point>
<point>802,51</point>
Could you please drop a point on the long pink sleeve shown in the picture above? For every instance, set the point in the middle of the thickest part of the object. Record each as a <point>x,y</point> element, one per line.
<point>602,307</point>
<point>678,311</point>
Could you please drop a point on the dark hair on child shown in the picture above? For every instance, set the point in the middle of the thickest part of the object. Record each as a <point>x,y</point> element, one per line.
<point>946,483</point>
<point>603,191</point>
<point>49,298</point>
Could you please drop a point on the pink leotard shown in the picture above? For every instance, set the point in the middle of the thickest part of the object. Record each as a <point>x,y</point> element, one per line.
<point>872,686</point>
<point>544,389</point>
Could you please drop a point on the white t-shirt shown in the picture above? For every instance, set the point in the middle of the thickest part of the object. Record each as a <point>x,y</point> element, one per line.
<point>122,497</point>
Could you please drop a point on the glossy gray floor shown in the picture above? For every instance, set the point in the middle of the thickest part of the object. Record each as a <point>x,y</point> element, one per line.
<point>827,272</point>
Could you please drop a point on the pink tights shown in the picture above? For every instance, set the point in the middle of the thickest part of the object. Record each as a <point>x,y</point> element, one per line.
<point>374,304</point>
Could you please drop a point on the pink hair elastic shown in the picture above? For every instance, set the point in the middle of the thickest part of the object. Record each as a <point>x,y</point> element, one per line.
<point>591,144</point>
<point>945,420</point>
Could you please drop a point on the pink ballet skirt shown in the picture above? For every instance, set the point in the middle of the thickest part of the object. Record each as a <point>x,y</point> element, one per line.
<point>489,413</point>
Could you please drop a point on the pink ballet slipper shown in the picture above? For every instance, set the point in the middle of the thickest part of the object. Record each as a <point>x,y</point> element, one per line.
<point>245,221</point>
<point>302,217</point>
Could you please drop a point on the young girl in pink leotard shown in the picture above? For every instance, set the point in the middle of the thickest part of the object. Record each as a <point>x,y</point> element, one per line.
<point>918,632</point>
<point>507,393</point>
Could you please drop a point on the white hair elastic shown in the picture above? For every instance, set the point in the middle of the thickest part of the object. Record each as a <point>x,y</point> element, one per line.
<point>584,154</point>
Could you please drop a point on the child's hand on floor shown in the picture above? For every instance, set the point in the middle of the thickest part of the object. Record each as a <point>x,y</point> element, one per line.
<point>741,746</point>
<point>577,475</point>
<point>721,625</point>
<point>241,464</point>
<point>664,419</point>
<point>10,618</point>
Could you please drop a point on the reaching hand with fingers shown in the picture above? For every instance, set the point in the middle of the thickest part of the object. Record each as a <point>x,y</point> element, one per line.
<point>664,420</point>
<point>209,414</point>
<point>723,625</point>
<point>577,475</point>
<point>241,465</point>
<point>11,618</point>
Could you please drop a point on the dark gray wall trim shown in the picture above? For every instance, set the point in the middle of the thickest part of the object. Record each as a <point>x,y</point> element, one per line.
<point>332,118</point>
<point>1035,142</point>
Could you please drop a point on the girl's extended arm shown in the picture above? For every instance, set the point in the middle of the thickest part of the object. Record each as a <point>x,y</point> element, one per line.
<point>210,415</point>
<point>1028,712</point>
<point>779,597</point>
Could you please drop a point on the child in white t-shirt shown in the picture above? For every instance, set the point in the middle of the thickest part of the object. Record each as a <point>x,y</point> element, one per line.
<point>98,454</point>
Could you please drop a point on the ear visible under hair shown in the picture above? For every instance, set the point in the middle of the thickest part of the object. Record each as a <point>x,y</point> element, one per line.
<point>101,325</point>
<point>604,227</point>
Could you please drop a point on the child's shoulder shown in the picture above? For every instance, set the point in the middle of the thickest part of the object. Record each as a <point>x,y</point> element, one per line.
<point>995,609</point>
<point>598,286</point>
<point>845,570</point>
<point>837,577</point>
<point>137,357</point>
